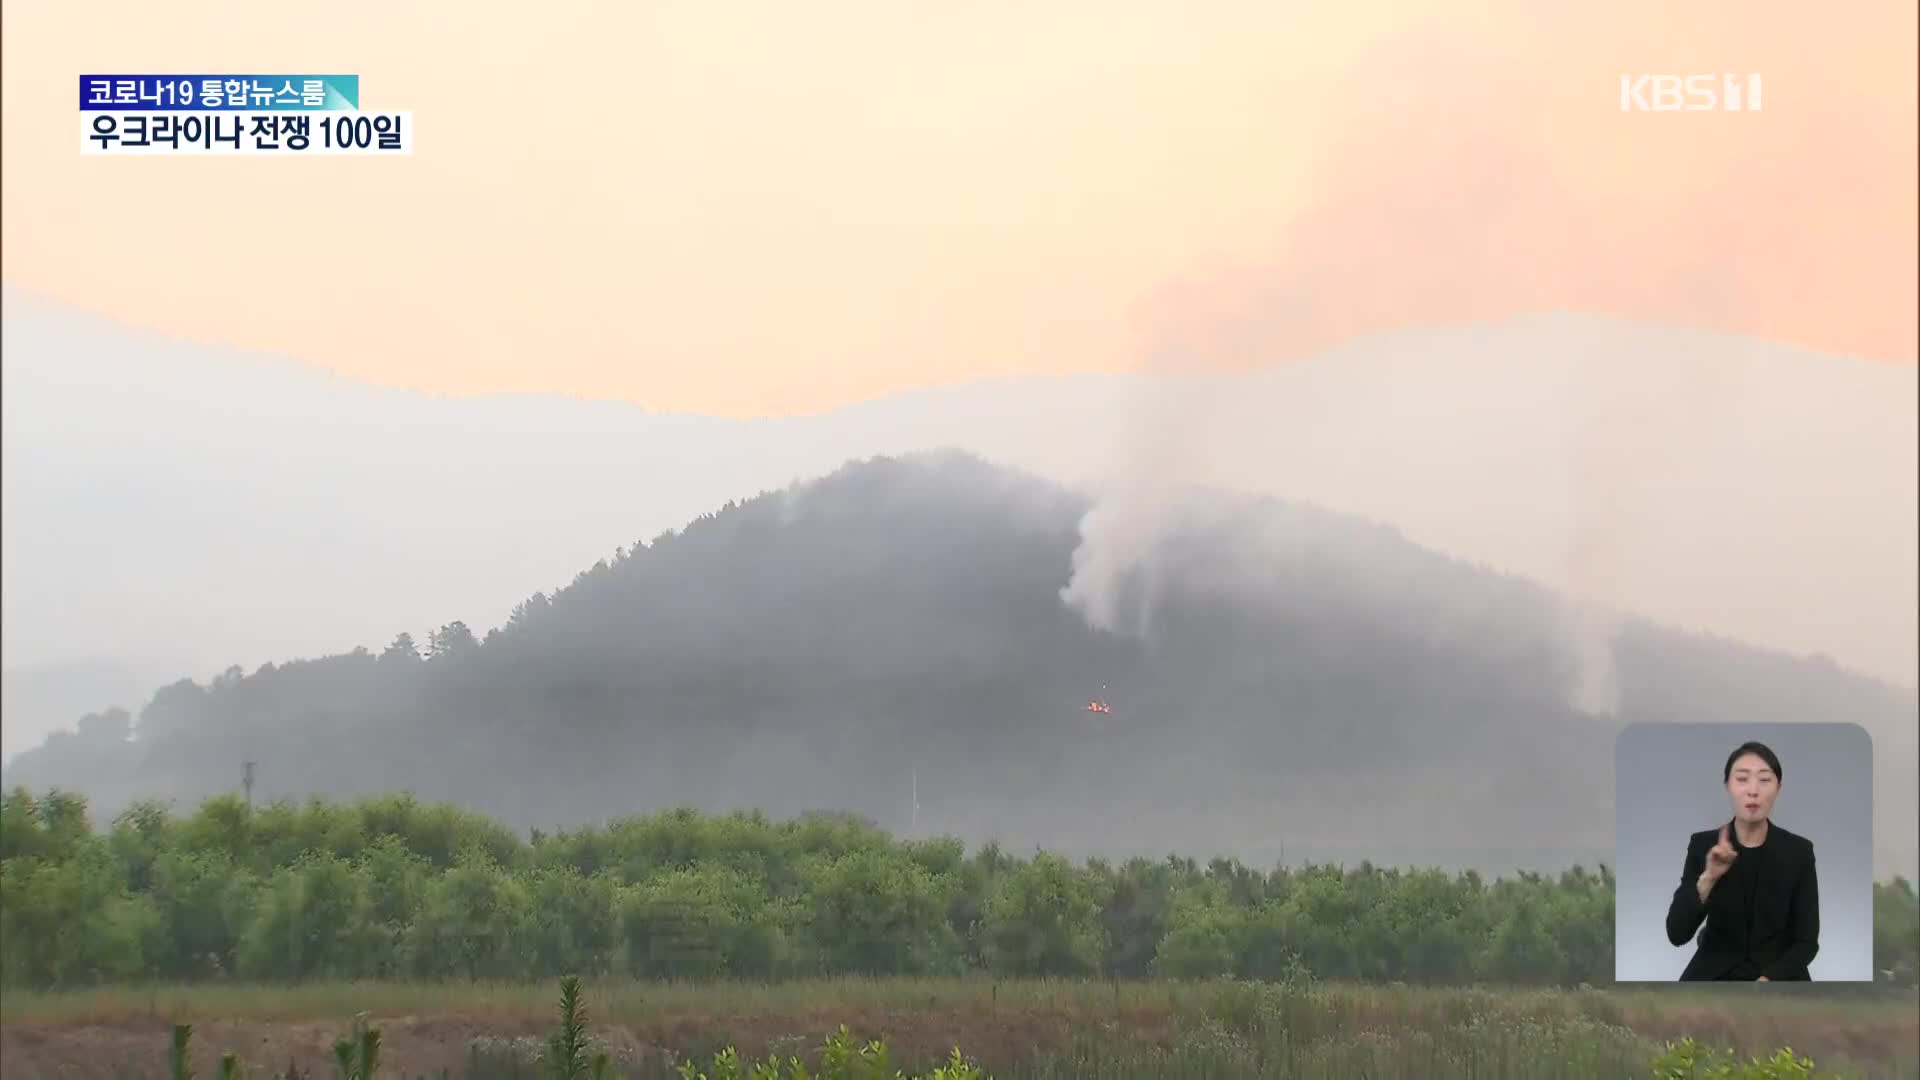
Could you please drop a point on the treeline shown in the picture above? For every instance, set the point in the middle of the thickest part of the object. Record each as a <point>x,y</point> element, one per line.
<point>818,647</point>
<point>392,888</point>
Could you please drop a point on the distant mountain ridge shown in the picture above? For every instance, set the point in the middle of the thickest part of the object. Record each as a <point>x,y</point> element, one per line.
<point>1284,680</point>
<point>182,506</point>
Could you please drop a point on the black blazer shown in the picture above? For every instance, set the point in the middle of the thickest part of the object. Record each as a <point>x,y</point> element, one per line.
<point>1762,917</point>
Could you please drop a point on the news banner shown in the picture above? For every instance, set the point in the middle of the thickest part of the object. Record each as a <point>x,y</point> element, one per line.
<point>236,114</point>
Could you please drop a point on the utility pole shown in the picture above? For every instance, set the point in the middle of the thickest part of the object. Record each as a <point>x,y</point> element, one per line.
<point>913,826</point>
<point>246,781</point>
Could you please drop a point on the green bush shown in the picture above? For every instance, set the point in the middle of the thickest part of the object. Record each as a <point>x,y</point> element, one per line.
<point>841,1058</point>
<point>1689,1060</point>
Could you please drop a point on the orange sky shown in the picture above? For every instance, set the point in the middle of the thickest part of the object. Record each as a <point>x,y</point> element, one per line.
<point>744,208</point>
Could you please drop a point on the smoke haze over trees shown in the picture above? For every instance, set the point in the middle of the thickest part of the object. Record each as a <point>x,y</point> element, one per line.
<point>1285,681</point>
<point>172,508</point>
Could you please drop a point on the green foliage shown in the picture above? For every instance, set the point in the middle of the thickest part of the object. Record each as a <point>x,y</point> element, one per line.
<point>71,920</point>
<point>700,921</point>
<point>842,1057</point>
<point>180,1056</point>
<point>389,888</point>
<point>1205,938</point>
<point>204,905</point>
<point>50,828</point>
<point>1043,919</point>
<point>567,1050</point>
<point>314,919</point>
<point>470,923</point>
<point>1689,1060</point>
<point>573,924</point>
<point>878,911</point>
<point>357,1056</point>
<point>1896,932</point>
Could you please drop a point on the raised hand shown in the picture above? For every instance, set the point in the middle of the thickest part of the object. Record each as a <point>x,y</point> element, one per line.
<point>1720,856</point>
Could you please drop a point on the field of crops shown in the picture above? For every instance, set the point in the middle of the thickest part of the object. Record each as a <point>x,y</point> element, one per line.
<point>1024,1028</point>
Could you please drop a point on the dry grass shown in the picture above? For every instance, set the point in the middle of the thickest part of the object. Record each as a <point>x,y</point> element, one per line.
<point>1018,1028</point>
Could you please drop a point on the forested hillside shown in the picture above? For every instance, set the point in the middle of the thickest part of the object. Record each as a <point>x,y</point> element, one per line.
<point>1283,682</point>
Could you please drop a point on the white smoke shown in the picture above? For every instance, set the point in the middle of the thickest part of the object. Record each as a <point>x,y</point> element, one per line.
<point>1117,567</point>
<point>1586,637</point>
<point>1117,571</point>
<point>1141,542</point>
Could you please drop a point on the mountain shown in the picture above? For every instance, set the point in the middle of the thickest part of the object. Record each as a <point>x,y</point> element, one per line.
<point>1283,680</point>
<point>74,689</point>
<point>176,508</point>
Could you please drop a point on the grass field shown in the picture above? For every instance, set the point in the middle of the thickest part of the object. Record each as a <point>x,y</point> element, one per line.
<point>1015,1029</point>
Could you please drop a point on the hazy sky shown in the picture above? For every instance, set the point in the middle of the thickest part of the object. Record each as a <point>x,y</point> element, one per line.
<point>744,209</point>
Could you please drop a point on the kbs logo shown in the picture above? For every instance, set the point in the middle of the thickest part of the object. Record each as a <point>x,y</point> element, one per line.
<point>1689,93</point>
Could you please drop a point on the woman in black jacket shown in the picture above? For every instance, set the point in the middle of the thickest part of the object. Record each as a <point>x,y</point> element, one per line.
<point>1751,882</point>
